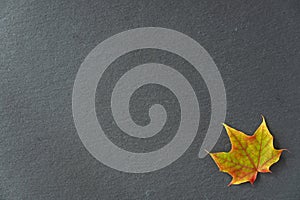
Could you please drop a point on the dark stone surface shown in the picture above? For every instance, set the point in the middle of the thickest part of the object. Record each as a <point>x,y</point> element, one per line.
<point>255,44</point>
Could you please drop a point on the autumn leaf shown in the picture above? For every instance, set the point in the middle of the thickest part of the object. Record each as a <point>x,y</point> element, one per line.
<point>248,155</point>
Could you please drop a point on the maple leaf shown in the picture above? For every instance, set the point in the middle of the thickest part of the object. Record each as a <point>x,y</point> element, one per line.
<point>248,155</point>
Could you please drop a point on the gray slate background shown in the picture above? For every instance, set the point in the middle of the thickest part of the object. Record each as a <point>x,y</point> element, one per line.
<point>255,45</point>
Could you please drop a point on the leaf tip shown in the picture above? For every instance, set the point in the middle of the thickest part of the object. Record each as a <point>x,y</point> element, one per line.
<point>206,151</point>
<point>263,119</point>
<point>285,150</point>
<point>226,127</point>
<point>253,178</point>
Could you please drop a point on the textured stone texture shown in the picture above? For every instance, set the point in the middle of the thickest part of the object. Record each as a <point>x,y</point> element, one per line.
<point>255,44</point>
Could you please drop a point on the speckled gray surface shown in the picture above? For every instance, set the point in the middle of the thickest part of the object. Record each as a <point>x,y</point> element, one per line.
<point>255,44</point>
